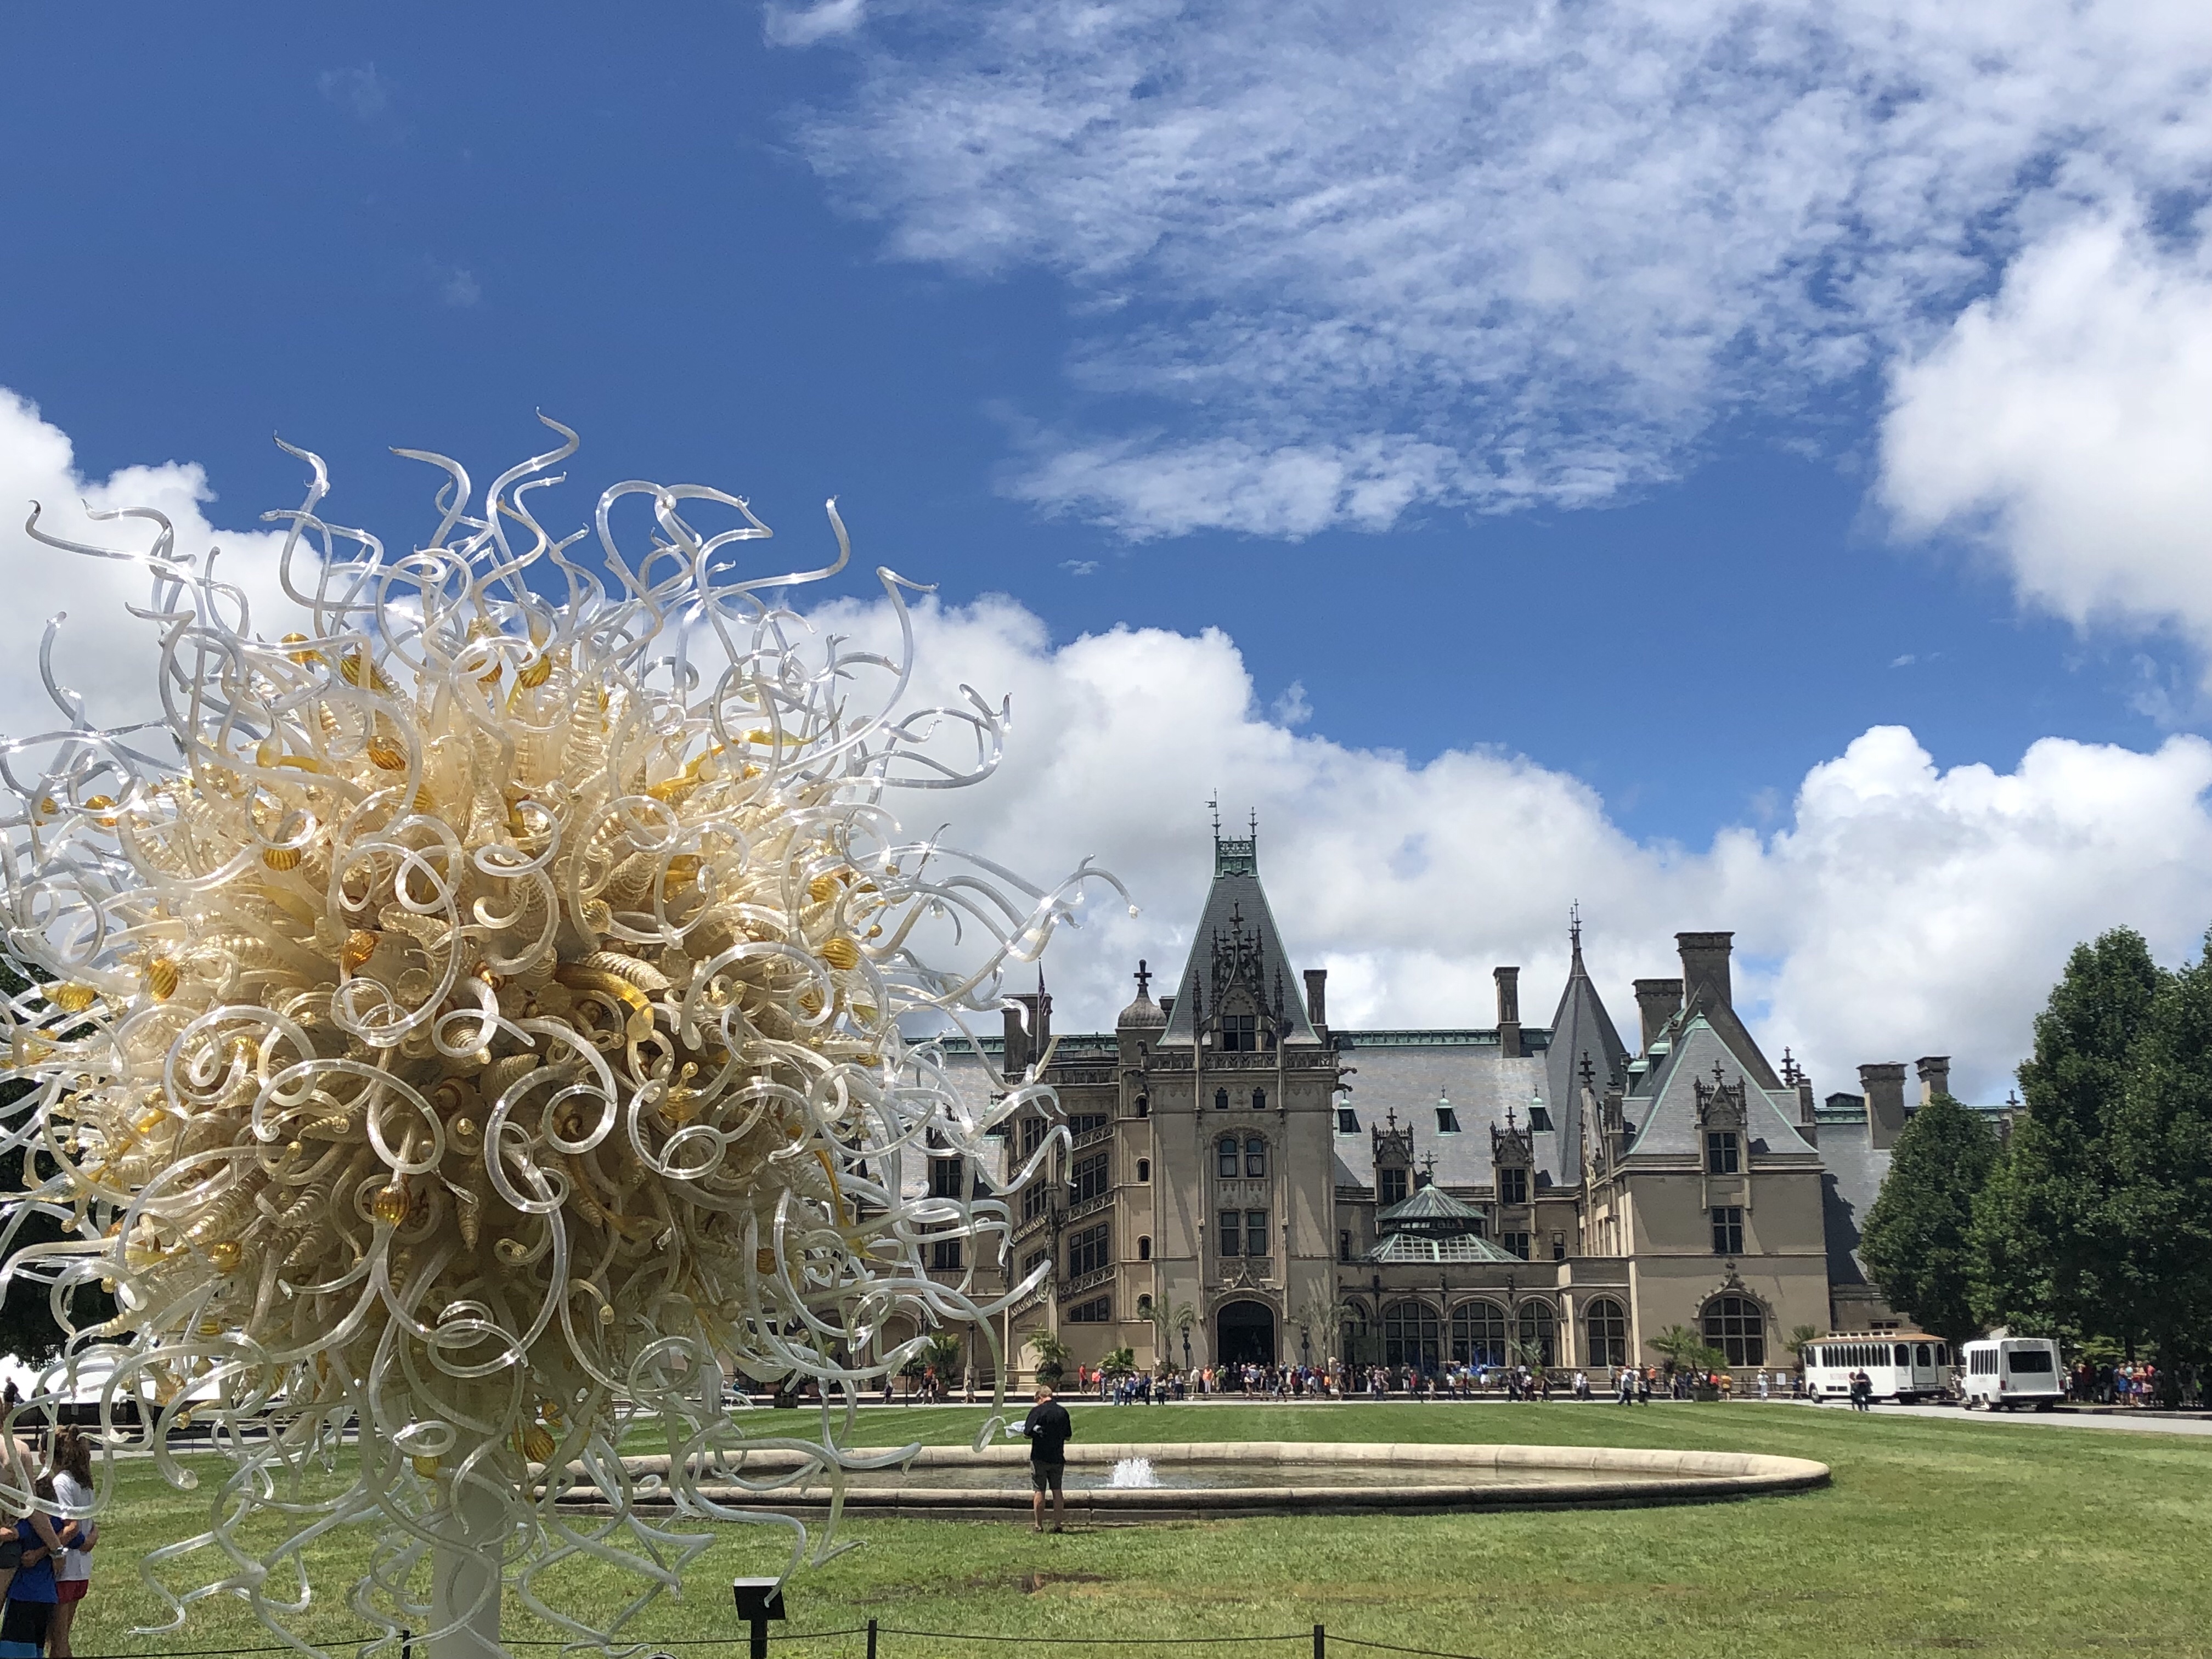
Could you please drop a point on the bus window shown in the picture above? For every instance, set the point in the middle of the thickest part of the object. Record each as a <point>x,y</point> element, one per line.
<point>1942,1353</point>
<point>2027,1359</point>
<point>1921,1355</point>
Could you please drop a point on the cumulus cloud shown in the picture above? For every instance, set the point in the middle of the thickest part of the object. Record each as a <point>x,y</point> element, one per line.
<point>1896,909</point>
<point>1345,261</point>
<point>359,90</point>
<point>101,652</point>
<point>2066,423</point>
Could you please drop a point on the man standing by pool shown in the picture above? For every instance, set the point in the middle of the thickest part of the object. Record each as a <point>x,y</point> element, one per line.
<point>1049,1428</point>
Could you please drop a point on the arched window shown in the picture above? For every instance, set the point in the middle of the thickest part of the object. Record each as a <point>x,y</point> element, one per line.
<point>1144,1170</point>
<point>1478,1333</point>
<point>1409,1334</point>
<point>1144,1105</point>
<point>1539,1334</point>
<point>1737,1326</point>
<point>1221,1100</point>
<point>1256,1157</point>
<point>1606,1331</point>
<point>1225,1159</point>
<point>1144,1248</point>
<point>1259,1100</point>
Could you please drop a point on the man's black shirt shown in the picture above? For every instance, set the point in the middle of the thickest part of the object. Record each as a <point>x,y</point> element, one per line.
<point>1050,1429</point>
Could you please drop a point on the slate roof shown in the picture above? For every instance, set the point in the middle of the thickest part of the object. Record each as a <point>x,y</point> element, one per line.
<point>1430,1210</point>
<point>1404,1076</point>
<point>1235,900</point>
<point>1662,1100</point>
<point>1581,1029</point>
<point>1855,1172</point>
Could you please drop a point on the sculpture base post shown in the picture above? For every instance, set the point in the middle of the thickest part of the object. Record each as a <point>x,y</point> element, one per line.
<point>464,1575</point>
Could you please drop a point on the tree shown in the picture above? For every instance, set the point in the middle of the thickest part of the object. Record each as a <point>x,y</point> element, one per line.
<point>1052,1358</point>
<point>1918,1237</point>
<point>1677,1346</point>
<point>2045,1252</point>
<point>1120,1362</point>
<point>1170,1318</point>
<point>2160,1205</point>
<point>1801,1338</point>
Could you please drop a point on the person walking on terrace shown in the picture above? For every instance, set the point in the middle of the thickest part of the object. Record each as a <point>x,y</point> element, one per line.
<point>1049,1430</point>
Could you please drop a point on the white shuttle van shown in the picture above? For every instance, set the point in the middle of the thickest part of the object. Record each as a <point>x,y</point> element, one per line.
<point>2005,1372</point>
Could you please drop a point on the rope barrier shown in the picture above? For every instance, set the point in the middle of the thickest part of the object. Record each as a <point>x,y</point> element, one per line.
<point>1093,1641</point>
<point>1392,1647</point>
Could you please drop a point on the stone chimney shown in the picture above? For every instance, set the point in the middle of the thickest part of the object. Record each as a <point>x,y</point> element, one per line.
<point>1317,997</point>
<point>1656,999</point>
<point>1935,1076</point>
<point>1705,969</point>
<point>1028,1027</point>
<point>1508,1010</point>
<point>1884,1088</point>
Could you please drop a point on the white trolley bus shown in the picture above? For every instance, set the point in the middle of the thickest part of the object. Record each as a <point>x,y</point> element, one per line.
<point>1902,1366</point>
<point>2006,1371</point>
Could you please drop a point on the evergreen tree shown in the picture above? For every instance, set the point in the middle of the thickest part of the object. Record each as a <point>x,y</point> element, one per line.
<point>2160,1150</point>
<point>1917,1240</point>
<point>2046,1256</point>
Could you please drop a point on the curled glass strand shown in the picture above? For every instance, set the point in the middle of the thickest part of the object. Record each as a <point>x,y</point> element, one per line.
<point>492,1025</point>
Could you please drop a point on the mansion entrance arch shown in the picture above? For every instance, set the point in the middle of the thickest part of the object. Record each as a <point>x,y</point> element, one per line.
<point>1244,1334</point>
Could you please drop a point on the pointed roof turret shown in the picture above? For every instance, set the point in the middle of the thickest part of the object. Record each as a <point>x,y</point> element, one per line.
<point>1581,1030</point>
<point>1237,950</point>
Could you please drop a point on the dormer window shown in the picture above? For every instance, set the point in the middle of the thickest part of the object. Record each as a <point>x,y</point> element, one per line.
<point>1447,1120</point>
<point>1390,1186</point>
<point>1347,1121</point>
<point>1513,1186</point>
<point>1240,1034</point>
<point>1723,1156</point>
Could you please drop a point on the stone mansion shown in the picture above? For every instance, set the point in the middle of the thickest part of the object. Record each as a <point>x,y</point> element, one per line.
<point>1247,1182</point>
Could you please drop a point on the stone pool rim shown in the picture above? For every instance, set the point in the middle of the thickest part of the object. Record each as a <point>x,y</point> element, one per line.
<point>1659,1478</point>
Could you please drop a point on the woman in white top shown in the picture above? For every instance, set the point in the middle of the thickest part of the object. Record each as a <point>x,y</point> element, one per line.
<point>73,1572</point>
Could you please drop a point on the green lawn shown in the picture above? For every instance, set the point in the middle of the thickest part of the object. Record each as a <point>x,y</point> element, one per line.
<point>1936,1534</point>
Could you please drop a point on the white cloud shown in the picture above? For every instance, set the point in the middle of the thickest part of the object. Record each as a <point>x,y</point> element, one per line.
<point>1366,258</point>
<point>102,652</point>
<point>1898,910</point>
<point>460,287</point>
<point>803,25</point>
<point>2066,422</point>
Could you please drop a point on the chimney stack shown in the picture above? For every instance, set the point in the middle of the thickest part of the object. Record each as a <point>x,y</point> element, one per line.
<point>1508,1010</point>
<point>1705,969</point>
<point>1884,1088</point>
<point>1656,999</point>
<point>1317,997</point>
<point>1935,1076</point>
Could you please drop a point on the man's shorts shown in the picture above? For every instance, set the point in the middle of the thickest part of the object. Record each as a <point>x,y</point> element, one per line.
<point>1046,1477</point>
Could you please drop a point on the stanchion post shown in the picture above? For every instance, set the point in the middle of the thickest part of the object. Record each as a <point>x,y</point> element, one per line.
<point>871,1639</point>
<point>759,1600</point>
<point>1320,1643</point>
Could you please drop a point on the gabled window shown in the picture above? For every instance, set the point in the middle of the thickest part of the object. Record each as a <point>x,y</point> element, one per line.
<point>1239,1033</point>
<point>1722,1155</point>
<point>944,1174</point>
<point>1513,1186</point>
<point>1225,1159</point>
<point>1389,1186</point>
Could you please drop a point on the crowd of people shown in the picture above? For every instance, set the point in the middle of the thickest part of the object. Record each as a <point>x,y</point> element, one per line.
<point>45,1562</point>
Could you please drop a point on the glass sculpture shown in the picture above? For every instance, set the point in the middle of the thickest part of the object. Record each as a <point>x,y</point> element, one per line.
<point>508,1013</point>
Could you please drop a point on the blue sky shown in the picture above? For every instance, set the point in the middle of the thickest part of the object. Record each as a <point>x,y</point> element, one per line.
<point>1642,486</point>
